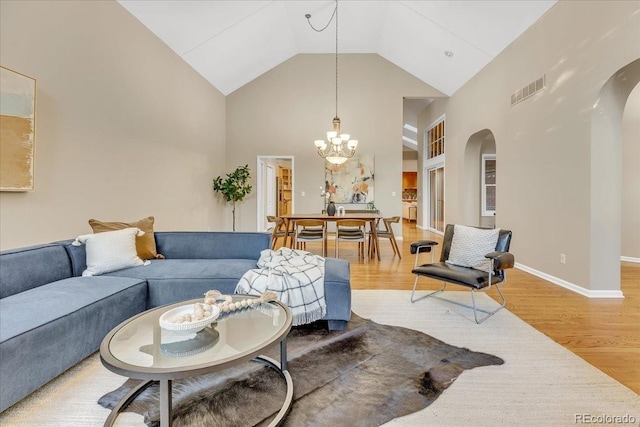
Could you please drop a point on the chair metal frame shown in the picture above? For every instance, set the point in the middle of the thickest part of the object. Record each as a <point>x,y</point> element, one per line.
<point>498,262</point>
<point>473,305</point>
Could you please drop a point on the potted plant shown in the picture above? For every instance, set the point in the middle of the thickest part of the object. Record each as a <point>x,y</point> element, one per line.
<point>234,188</point>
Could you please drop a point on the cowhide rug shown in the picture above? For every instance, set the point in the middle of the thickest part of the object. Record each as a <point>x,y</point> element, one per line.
<point>365,375</point>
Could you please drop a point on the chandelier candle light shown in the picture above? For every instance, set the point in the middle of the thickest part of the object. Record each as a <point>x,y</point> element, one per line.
<point>338,147</point>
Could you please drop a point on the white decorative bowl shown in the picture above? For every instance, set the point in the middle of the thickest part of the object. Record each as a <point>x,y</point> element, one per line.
<point>187,327</point>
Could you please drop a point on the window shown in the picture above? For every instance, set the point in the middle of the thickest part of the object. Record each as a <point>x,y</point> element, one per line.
<point>488,184</point>
<point>433,175</point>
<point>434,145</point>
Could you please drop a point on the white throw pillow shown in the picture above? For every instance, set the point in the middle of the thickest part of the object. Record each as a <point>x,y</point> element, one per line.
<point>110,251</point>
<point>469,246</point>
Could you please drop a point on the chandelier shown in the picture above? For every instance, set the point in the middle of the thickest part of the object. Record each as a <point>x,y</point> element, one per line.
<point>339,146</point>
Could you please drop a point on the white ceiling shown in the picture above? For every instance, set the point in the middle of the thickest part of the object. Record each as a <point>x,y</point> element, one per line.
<point>232,42</point>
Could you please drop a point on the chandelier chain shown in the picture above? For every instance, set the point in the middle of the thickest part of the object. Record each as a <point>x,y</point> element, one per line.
<point>340,146</point>
<point>336,13</point>
<point>333,15</point>
<point>308,16</point>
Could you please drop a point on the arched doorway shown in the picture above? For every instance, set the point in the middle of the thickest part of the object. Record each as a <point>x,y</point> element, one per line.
<point>606,178</point>
<point>630,248</point>
<point>480,179</point>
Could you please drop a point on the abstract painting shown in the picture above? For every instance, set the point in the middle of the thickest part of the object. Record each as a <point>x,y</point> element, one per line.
<point>350,182</point>
<point>17,130</point>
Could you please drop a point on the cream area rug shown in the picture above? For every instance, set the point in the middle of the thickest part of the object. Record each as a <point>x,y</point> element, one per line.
<point>540,384</point>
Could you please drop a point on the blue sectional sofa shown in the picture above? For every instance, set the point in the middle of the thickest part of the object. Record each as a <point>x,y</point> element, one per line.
<point>51,317</point>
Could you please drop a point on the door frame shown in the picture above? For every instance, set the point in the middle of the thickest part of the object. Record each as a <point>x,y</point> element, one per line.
<point>261,219</point>
<point>427,198</point>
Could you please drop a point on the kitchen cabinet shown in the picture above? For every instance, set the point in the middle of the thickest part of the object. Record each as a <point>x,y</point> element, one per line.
<point>409,185</point>
<point>410,211</point>
<point>409,180</point>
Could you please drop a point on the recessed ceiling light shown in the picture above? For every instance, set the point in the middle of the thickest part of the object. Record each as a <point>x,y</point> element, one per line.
<point>448,53</point>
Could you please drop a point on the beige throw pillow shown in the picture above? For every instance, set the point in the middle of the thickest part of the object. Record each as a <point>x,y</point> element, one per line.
<point>145,244</point>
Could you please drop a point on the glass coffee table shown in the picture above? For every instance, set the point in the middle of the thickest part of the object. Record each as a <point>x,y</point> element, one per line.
<point>139,348</point>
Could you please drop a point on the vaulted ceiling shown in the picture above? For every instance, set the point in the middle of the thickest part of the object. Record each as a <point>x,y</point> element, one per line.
<point>231,43</point>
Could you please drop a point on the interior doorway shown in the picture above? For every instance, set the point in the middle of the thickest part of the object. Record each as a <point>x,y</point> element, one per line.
<point>607,199</point>
<point>436,198</point>
<point>274,188</point>
<point>480,179</point>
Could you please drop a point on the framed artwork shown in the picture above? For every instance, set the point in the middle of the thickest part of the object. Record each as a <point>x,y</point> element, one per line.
<point>350,182</point>
<point>17,130</point>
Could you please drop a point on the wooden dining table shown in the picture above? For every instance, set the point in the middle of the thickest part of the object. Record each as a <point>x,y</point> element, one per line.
<point>372,218</point>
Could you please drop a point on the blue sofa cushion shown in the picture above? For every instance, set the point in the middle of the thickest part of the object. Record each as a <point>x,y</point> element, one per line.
<point>211,245</point>
<point>77,256</point>
<point>190,245</point>
<point>27,268</point>
<point>189,269</point>
<point>49,329</point>
<point>337,270</point>
<point>28,310</point>
<point>172,280</point>
<point>337,288</point>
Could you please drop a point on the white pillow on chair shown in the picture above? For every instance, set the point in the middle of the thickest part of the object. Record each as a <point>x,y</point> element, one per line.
<point>110,251</point>
<point>469,246</point>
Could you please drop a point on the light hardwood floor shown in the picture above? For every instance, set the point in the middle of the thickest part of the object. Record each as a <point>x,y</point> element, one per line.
<point>604,332</point>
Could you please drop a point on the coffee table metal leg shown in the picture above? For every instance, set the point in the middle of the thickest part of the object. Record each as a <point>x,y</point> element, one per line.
<point>125,401</point>
<point>283,355</point>
<point>286,406</point>
<point>165,403</point>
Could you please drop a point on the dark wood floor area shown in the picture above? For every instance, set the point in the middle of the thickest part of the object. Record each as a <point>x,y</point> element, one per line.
<point>604,332</point>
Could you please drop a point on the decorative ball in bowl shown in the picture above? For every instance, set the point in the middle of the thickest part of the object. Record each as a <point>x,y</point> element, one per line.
<point>189,319</point>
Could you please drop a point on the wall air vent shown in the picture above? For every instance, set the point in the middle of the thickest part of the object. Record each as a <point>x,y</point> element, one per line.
<point>529,90</point>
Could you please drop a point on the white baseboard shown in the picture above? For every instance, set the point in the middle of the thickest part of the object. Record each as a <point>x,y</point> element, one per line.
<point>570,286</point>
<point>630,259</point>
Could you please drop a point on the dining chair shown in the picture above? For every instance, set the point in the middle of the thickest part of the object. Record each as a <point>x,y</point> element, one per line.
<point>277,230</point>
<point>310,230</point>
<point>352,230</point>
<point>387,233</point>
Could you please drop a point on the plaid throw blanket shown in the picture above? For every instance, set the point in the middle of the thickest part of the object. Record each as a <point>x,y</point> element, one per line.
<point>296,276</point>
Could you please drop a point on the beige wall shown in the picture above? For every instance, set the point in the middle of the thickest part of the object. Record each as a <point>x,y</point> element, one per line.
<point>544,143</point>
<point>410,165</point>
<point>124,128</point>
<point>631,176</point>
<point>282,112</point>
